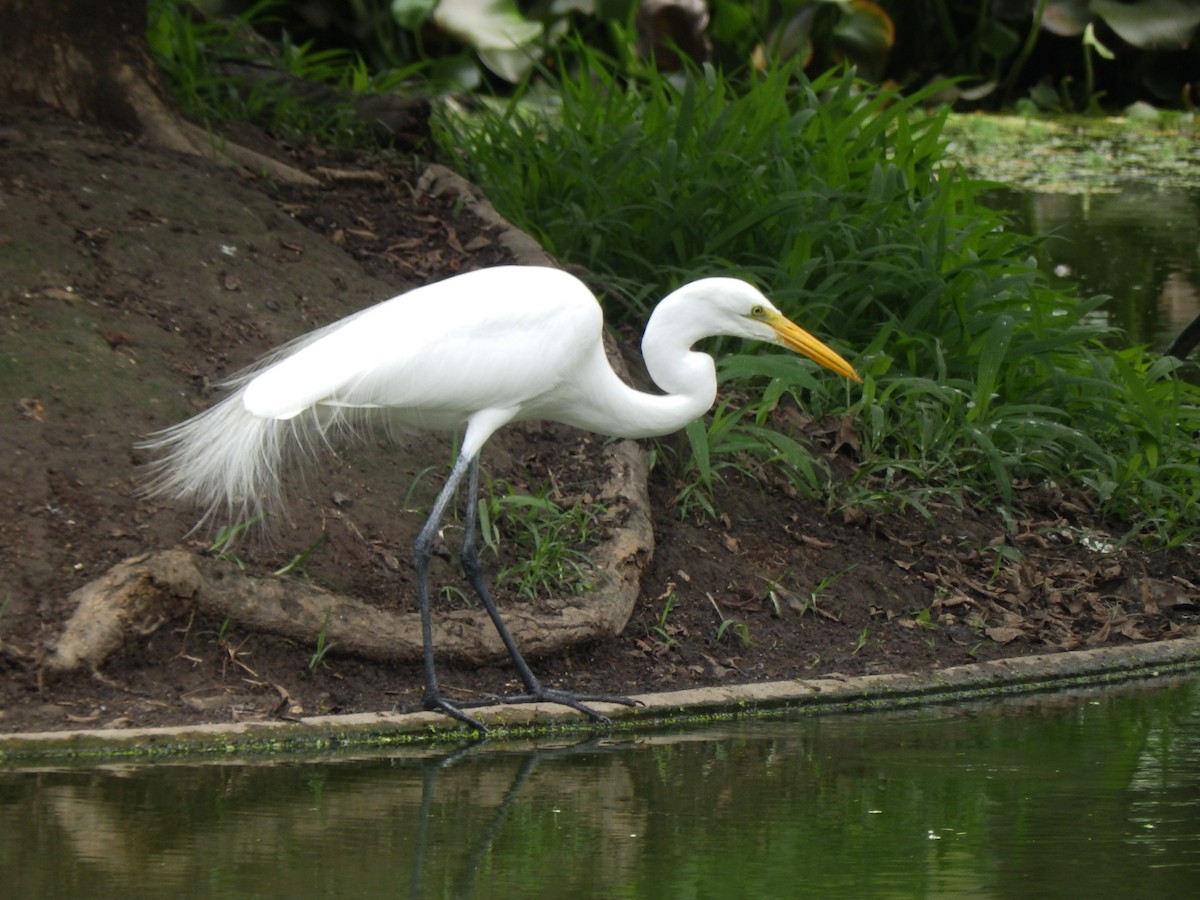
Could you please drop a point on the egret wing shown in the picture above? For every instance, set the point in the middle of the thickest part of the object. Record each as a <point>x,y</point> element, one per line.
<point>434,355</point>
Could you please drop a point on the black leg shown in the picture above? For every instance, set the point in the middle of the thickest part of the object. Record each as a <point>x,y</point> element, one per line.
<point>422,551</point>
<point>535,690</point>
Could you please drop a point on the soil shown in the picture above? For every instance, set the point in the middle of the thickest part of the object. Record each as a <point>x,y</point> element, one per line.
<point>133,279</point>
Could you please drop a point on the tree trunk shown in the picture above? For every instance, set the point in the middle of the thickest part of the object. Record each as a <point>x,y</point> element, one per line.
<point>88,58</point>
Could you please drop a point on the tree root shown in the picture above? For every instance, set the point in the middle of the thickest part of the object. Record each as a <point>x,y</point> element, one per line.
<point>438,181</point>
<point>213,146</point>
<point>137,596</point>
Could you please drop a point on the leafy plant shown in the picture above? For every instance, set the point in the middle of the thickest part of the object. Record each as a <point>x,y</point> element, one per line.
<point>297,561</point>
<point>728,624</point>
<point>924,618</point>
<point>455,594</point>
<point>716,445</point>
<point>814,34</point>
<point>980,378</point>
<point>861,642</point>
<point>227,536</point>
<point>739,628</point>
<point>547,539</point>
<point>810,603</point>
<point>504,39</point>
<point>662,628</point>
<point>191,50</point>
<point>219,636</point>
<point>323,645</point>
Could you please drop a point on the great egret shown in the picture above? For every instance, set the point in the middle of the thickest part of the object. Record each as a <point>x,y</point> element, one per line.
<point>474,352</point>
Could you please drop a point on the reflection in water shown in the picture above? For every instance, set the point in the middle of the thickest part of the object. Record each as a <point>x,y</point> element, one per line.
<point>1072,793</point>
<point>1141,245</point>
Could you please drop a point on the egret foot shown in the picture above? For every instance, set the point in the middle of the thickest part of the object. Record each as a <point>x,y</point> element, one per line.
<point>539,694</point>
<point>446,708</point>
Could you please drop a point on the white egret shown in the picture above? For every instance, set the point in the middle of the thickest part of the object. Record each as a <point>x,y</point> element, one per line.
<point>472,353</point>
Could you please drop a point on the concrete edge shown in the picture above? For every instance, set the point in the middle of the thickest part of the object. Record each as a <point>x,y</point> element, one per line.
<point>325,734</point>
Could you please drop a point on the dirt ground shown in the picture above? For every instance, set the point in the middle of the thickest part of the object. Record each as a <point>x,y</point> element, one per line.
<point>132,280</point>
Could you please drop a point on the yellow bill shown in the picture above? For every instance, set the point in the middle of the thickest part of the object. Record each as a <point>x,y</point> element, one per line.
<point>796,338</point>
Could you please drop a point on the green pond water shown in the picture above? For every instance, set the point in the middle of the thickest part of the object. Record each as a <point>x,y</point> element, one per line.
<point>1089,793</point>
<point>1139,243</point>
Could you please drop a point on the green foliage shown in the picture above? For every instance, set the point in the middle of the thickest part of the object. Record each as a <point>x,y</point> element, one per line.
<point>1004,50</point>
<point>227,537</point>
<point>730,625</point>
<point>812,33</point>
<point>663,631</point>
<point>646,183</point>
<point>863,636</point>
<point>924,618</point>
<point>296,563</point>
<point>190,52</point>
<point>549,541</point>
<point>323,645</point>
<point>739,629</point>
<point>980,379</point>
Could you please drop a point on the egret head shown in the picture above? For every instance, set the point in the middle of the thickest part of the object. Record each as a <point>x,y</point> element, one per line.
<point>732,306</point>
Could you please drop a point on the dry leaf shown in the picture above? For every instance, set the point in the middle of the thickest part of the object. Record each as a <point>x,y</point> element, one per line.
<point>31,408</point>
<point>1003,634</point>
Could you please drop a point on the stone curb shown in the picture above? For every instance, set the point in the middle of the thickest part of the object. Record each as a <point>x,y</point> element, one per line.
<point>325,734</point>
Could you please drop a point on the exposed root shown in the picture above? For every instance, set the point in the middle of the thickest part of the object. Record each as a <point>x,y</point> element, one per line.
<point>138,595</point>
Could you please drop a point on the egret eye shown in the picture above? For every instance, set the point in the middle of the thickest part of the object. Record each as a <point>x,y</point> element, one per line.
<point>758,312</point>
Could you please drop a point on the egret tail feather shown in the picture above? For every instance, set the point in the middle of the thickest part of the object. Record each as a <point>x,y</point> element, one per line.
<point>229,462</point>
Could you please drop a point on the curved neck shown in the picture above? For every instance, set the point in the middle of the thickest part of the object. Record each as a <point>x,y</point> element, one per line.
<point>687,377</point>
<point>667,350</point>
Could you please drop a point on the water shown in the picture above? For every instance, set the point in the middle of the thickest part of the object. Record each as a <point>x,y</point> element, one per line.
<point>1064,795</point>
<point>1140,244</point>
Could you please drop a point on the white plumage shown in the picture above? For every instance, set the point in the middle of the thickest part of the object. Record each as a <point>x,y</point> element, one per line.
<point>472,353</point>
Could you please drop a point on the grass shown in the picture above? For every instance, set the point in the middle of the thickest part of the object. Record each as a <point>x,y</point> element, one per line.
<point>981,379</point>
<point>227,537</point>
<point>729,625</point>
<point>296,563</point>
<point>663,631</point>
<point>323,646</point>
<point>189,52</point>
<point>861,642</point>
<point>547,541</point>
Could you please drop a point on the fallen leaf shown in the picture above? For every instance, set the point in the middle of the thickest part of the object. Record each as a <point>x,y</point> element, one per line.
<point>1130,630</point>
<point>811,541</point>
<point>847,435</point>
<point>117,339</point>
<point>31,408</point>
<point>1003,634</point>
